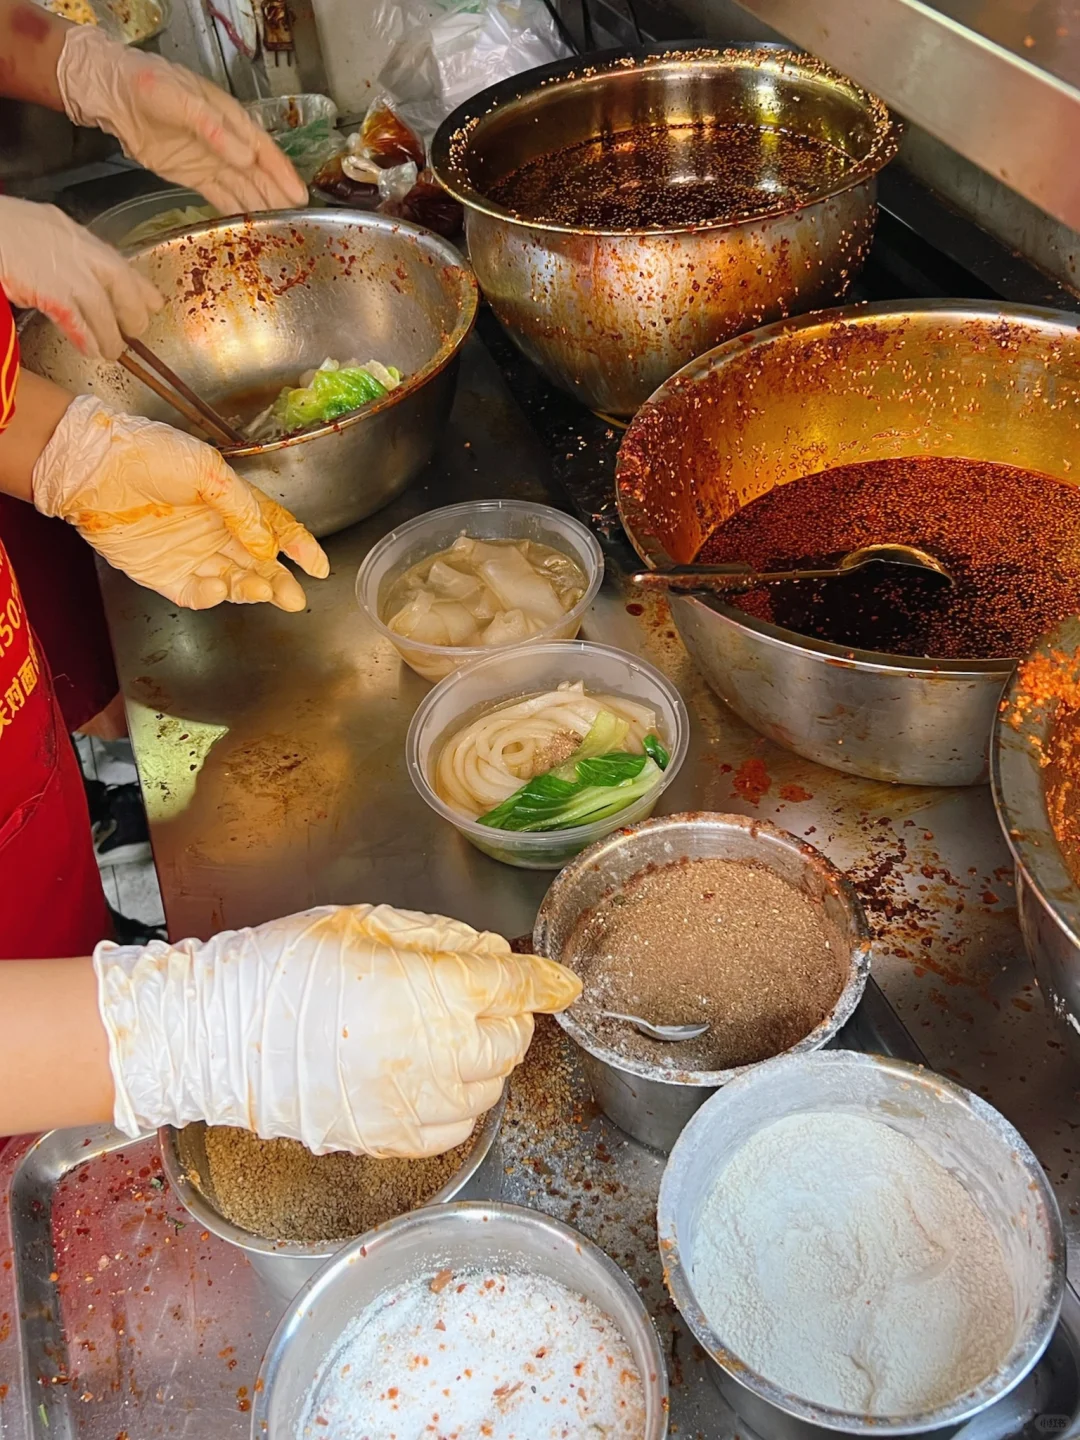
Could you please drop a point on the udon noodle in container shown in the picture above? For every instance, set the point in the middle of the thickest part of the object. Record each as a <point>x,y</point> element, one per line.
<point>535,753</point>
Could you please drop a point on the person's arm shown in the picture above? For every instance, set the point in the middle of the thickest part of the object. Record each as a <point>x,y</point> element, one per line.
<point>353,1027</point>
<point>54,1051</point>
<point>31,41</point>
<point>156,503</point>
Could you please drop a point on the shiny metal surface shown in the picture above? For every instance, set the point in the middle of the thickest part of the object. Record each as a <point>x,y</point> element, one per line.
<point>969,1138</point>
<point>740,577</point>
<point>609,316</point>
<point>997,81</point>
<point>455,1237</point>
<point>668,1034</point>
<point>254,302</point>
<point>1048,897</point>
<point>282,1265</point>
<point>296,728</point>
<point>165,1339</point>
<point>980,380</point>
<point>651,1102</point>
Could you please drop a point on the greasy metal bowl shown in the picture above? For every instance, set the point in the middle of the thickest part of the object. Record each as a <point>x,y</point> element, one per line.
<point>252,302</point>
<point>117,223</point>
<point>651,1102</point>
<point>941,377</point>
<point>451,1237</point>
<point>973,1142</point>
<point>282,1265</point>
<point>1026,767</point>
<point>610,315</point>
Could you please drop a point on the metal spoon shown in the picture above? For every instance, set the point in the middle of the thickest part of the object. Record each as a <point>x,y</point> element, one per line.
<point>671,1033</point>
<point>742,577</point>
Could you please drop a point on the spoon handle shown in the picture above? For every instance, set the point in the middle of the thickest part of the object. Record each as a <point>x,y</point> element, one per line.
<point>719,577</point>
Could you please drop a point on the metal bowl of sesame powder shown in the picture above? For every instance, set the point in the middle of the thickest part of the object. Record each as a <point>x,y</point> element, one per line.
<point>700,917</point>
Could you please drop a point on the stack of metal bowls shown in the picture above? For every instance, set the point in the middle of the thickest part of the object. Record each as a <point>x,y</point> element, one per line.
<point>650,1101</point>
<point>610,314</point>
<point>948,378</point>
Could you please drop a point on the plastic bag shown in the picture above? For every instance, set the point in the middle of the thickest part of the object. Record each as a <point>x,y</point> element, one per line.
<point>386,139</point>
<point>445,51</point>
<point>428,204</point>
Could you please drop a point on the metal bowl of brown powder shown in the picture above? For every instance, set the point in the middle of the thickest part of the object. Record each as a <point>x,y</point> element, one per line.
<point>289,1211</point>
<point>700,917</point>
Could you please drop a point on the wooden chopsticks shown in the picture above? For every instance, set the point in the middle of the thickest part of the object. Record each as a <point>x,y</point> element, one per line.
<point>181,397</point>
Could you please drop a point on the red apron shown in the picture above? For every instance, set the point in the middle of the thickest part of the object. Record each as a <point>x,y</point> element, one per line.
<point>51,901</point>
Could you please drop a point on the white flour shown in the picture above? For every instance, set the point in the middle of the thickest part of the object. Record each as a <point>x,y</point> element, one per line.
<point>498,1356</point>
<point>839,1260</point>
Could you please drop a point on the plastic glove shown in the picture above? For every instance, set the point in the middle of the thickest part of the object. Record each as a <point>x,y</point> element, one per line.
<point>49,263</point>
<point>380,1031</point>
<point>167,510</point>
<point>175,123</point>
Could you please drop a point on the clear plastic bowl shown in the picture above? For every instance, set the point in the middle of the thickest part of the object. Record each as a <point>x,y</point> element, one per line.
<point>511,674</point>
<point>481,520</point>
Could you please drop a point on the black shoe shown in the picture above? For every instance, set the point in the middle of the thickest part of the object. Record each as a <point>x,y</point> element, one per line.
<point>121,833</point>
<point>134,932</point>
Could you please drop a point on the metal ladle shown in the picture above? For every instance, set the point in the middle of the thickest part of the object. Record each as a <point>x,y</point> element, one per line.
<point>672,1034</point>
<point>742,577</point>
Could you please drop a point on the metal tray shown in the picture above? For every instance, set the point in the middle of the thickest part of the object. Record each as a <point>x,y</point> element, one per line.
<point>121,1320</point>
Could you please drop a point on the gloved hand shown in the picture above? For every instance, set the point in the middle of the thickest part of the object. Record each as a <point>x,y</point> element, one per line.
<point>167,510</point>
<point>352,1027</point>
<point>49,263</point>
<point>175,123</point>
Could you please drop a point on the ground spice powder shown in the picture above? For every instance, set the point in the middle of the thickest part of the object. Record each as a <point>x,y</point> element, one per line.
<point>278,1189</point>
<point>725,941</point>
<point>1010,537</point>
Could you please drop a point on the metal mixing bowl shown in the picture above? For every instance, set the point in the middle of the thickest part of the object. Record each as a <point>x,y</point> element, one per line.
<point>964,1134</point>
<point>946,377</point>
<point>474,1236</point>
<point>282,1265</point>
<point>610,315</point>
<point>1025,768</point>
<point>253,302</point>
<point>651,1102</point>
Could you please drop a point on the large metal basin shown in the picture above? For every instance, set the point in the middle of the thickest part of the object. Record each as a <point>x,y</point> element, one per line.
<point>610,315</point>
<point>986,382</point>
<point>1027,772</point>
<point>253,302</point>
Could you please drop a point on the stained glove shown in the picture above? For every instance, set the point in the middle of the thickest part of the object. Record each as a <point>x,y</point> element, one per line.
<point>380,1031</point>
<point>49,263</point>
<point>167,510</point>
<point>175,123</point>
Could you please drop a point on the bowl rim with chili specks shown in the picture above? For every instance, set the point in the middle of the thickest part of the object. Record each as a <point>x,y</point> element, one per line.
<point>561,897</point>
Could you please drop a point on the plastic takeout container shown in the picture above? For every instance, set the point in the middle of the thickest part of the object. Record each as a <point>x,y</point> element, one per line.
<point>481,520</point>
<point>506,675</point>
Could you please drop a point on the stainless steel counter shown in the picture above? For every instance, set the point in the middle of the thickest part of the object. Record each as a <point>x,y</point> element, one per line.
<point>270,748</point>
<point>997,80</point>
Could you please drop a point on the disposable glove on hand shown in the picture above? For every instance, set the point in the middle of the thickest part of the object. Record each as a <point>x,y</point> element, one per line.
<point>49,263</point>
<point>175,123</point>
<point>167,510</point>
<point>380,1031</point>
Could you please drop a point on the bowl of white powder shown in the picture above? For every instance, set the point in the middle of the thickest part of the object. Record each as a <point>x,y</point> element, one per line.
<point>467,1319</point>
<point>861,1246</point>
